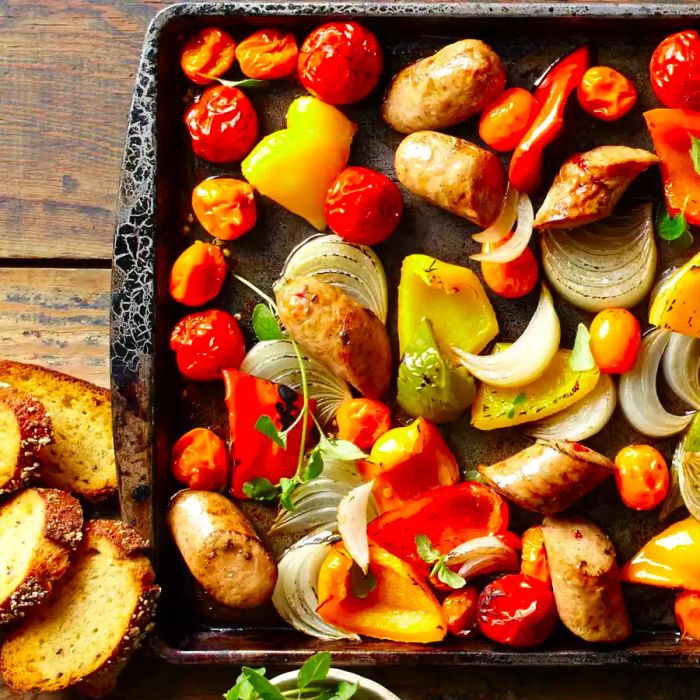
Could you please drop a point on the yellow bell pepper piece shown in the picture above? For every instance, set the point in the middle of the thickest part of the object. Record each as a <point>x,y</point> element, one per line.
<point>296,166</point>
<point>451,297</point>
<point>558,388</point>
<point>676,307</point>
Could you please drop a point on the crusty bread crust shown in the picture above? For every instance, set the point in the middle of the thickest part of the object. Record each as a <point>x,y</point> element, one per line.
<point>62,530</point>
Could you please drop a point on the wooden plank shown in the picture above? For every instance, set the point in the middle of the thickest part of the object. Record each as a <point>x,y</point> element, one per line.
<point>58,318</point>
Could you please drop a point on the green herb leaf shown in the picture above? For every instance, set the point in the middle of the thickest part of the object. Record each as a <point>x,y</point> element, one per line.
<point>519,399</point>
<point>260,489</point>
<point>425,549</point>
<point>671,228</point>
<point>475,475</point>
<point>449,577</point>
<point>243,690</point>
<point>361,584</point>
<point>245,83</point>
<point>695,153</point>
<point>265,323</point>
<point>345,691</point>
<point>342,450</point>
<point>581,358</point>
<point>314,466</point>
<point>266,426</point>
<point>262,686</point>
<point>287,487</point>
<point>314,669</point>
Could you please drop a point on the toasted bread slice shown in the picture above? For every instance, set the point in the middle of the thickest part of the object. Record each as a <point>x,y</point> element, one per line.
<point>25,429</point>
<point>81,460</point>
<point>39,531</point>
<point>99,613</point>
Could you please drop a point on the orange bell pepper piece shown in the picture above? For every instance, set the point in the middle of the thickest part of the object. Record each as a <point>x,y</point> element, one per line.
<point>670,131</point>
<point>687,611</point>
<point>533,561</point>
<point>401,607</point>
<point>406,462</point>
<point>669,560</point>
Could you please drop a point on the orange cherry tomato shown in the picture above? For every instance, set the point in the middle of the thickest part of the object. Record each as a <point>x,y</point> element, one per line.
<point>533,560</point>
<point>506,119</point>
<point>363,421</point>
<point>615,340</point>
<point>340,62</point>
<point>687,611</point>
<point>268,54</point>
<point>199,460</point>
<point>513,279</point>
<point>459,611</point>
<point>225,207</point>
<point>675,70</point>
<point>642,476</point>
<point>207,55</point>
<point>198,274</point>
<point>606,94</point>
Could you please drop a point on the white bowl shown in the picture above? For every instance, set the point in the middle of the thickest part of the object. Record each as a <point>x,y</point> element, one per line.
<point>369,690</point>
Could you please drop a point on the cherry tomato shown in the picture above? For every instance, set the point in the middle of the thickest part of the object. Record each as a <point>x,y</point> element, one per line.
<point>206,342</point>
<point>340,62</point>
<point>642,476</point>
<point>517,610</point>
<point>533,560</point>
<point>268,54</point>
<point>687,610</point>
<point>363,421</point>
<point>223,124</point>
<point>459,611</point>
<point>198,274</point>
<point>363,206</point>
<point>615,340</point>
<point>606,94</point>
<point>207,55</point>
<point>200,460</point>
<point>505,121</point>
<point>225,207</point>
<point>675,70</point>
<point>513,279</point>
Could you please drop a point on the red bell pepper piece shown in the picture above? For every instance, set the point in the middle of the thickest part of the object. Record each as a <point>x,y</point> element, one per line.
<point>253,454</point>
<point>670,131</point>
<point>552,93</point>
<point>448,516</point>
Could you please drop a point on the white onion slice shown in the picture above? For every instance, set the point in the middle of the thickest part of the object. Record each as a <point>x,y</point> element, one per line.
<point>606,264</point>
<point>352,524</point>
<point>689,482</point>
<point>583,419</point>
<point>483,555</point>
<point>503,224</point>
<point>681,365</point>
<point>356,269</point>
<point>514,246</point>
<point>527,358</point>
<point>276,361</point>
<point>295,597</point>
<point>639,399</point>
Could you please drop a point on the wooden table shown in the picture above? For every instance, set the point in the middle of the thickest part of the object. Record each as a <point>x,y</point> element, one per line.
<point>66,70</point>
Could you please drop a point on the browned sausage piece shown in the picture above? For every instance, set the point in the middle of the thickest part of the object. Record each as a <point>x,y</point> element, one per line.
<point>444,89</point>
<point>585,579</point>
<point>221,549</point>
<point>453,174</point>
<point>590,184</point>
<point>332,326</point>
<point>548,476</point>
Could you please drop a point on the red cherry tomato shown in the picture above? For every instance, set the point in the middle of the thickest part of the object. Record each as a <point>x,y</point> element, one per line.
<point>459,610</point>
<point>606,94</point>
<point>675,70</point>
<point>513,279</point>
<point>505,121</point>
<point>223,124</point>
<point>200,460</point>
<point>363,206</point>
<point>615,340</point>
<point>517,610</point>
<point>198,274</point>
<point>642,476</point>
<point>363,421</point>
<point>340,62</point>
<point>206,342</point>
<point>268,54</point>
<point>207,55</point>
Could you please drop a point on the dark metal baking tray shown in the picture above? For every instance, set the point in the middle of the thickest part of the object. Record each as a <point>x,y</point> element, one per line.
<point>151,405</point>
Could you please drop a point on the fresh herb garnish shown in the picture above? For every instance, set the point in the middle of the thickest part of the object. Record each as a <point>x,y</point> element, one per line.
<point>430,555</point>
<point>695,153</point>
<point>265,323</point>
<point>260,489</point>
<point>265,425</point>
<point>519,399</point>
<point>475,474</point>
<point>673,229</point>
<point>245,83</point>
<point>581,358</point>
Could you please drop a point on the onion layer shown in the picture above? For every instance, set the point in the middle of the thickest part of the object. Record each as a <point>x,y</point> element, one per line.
<point>276,361</point>
<point>582,420</point>
<point>354,268</point>
<point>481,556</point>
<point>681,365</point>
<point>639,399</point>
<point>514,246</point>
<point>352,524</point>
<point>610,263</point>
<point>503,224</point>
<point>527,358</point>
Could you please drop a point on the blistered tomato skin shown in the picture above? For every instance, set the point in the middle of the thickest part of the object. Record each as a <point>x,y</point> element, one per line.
<point>199,460</point>
<point>198,274</point>
<point>225,207</point>
<point>606,94</point>
<point>223,124</point>
<point>207,55</point>
<point>675,70</point>
<point>340,62</point>
<point>517,610</point>
<point>642,477</point>
<point>615,340</point>
<point>505,121</point>
<point>363,206</point>
<point>513,279</point>
<point>268,54</point>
